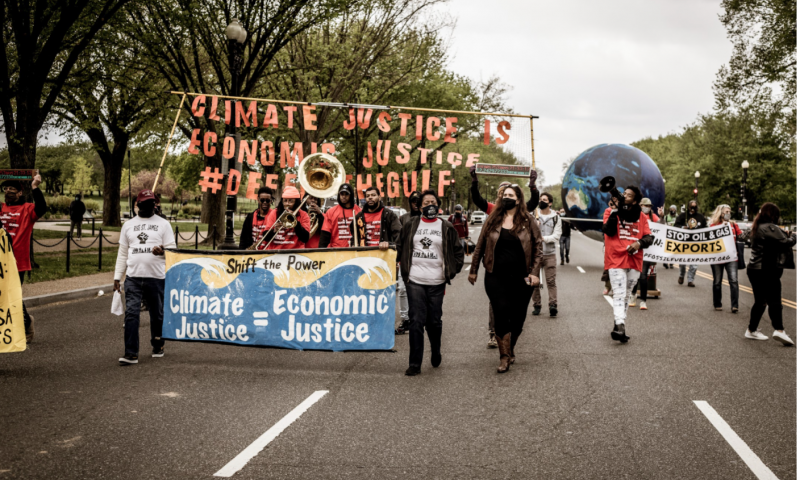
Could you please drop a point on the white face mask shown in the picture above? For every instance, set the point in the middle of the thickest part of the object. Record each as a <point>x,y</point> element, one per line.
<point>645,210</point>
<point>727,216</point>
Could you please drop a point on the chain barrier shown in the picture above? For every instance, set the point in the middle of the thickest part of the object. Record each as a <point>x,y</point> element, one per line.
<point>49,246</point>
<point>87,246</point>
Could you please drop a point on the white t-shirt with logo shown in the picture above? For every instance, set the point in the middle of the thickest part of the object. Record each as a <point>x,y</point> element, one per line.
<point>427,258</point>
<point>136,241</point>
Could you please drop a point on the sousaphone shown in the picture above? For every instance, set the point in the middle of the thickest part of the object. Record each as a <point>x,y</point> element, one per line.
<point>320,175</point>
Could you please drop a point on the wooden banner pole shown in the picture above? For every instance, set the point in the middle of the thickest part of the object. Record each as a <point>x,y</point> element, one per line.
<point>533,156</point>
<point>169,140</point>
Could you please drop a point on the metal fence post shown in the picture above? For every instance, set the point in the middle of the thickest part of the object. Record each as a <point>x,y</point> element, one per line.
<point>93,225</point>
<point>177,237</point>
<point>196,236</point>
<point>214,237</point>
<point>69,241</point>
<point>100,251</point>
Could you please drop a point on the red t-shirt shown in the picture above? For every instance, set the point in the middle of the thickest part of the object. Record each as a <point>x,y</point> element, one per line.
<point>18,221</point>
<point>489,208</point>
<point>313,242</point>
<point>373,228</point>
<point>337,223</point>
<point>286,239</point>
<point>617,255</point>
<point>460,225</point>
<point>259,227</point>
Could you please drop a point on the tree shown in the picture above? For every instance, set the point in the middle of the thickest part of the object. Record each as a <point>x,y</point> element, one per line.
<point>42,42</point>
<point>185,42</point>
<point>81,180</point>
<point>112,97</point>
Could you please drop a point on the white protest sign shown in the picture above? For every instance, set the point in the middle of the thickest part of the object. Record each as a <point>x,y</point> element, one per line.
<point>691,247</point>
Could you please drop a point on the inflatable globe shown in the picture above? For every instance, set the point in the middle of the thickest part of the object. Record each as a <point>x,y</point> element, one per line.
<point>580,191</point>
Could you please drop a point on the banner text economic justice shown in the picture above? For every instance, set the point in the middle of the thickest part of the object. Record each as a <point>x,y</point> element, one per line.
<point>291,154</point>
<point>331,299</point>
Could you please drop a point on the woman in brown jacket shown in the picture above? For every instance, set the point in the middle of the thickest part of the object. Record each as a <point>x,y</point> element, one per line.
<point>511,248</point>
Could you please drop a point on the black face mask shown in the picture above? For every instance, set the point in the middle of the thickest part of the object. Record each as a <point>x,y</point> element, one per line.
<point>430,211</point>
<point>147,209</point>
<point>508,203</point>
<point>458,215</point>
<point>543,205</point>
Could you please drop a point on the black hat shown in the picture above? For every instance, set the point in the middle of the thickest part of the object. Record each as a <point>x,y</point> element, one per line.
<point>13,183</point>
<point>346,188</point>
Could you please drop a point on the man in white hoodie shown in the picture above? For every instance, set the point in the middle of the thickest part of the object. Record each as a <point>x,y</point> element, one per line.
<point>550,224</point>
<point>142,241</point>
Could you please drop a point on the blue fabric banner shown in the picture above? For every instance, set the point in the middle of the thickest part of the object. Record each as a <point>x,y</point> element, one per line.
<point>333,299</point>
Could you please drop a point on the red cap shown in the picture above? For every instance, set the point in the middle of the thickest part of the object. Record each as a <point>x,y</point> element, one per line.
<point>290,192</point>
<point>145,195</point>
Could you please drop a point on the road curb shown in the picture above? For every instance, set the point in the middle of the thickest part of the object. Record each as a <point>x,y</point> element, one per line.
<point>87,292</point>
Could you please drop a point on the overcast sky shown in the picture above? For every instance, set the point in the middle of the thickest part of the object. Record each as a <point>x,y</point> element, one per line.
<point>612,71</point>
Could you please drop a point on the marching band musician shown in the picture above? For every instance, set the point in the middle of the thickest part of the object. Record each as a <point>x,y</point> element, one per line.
<point>336,229</point>
<point>313,207</point>
<point>255,224</point>
<point>377,226</point>
<point>288,238</point>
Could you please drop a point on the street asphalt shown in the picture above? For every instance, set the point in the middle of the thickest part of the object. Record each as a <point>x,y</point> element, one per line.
<point>575,405</point>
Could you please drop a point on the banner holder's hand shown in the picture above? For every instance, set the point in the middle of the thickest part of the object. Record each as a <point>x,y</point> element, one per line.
<point>37,179</point>
<point>634,247</point>
<point>473,173</point>
<point>383,245</point>
<point>533,177</point>
<point>158,250</point>
<point>116,286</point>
<point>532,280</point>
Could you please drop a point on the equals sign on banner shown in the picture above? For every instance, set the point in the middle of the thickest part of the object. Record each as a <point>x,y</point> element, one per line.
<point>260,319</point>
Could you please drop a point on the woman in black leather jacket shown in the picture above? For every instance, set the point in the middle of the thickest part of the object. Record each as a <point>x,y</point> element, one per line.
<point>770,250</point>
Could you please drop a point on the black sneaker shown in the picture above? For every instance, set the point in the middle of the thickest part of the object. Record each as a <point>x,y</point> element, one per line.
<point>619,333</point>
<point>553,310</point>
<point>413,371</point>
<point>562,261</point>
<point>129,360</point>
<point>537,310</point>
<point>158,353</point>
<point>436,359</point>
<point>403,327</point>
<point>567,258</point>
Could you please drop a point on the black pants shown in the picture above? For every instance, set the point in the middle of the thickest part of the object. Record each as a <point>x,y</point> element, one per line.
<point>152,290</point>
<point>425,313</point>
<point>509,298</point>
<point>642,284</point>
<point>26,318</point>
<point>564,243</point>
<point>766,286</point>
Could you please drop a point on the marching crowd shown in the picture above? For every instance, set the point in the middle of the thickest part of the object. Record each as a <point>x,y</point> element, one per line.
<point>517,248</point>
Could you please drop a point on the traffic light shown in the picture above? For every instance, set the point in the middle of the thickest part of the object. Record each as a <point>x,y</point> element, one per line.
<point>695,192</point>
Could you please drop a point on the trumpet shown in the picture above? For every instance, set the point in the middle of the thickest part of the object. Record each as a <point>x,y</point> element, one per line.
<point>320,175</point>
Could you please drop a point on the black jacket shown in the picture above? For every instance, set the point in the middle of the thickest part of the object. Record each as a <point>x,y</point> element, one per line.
<point>246,239</point>
<point>769,243</point>
<point>684,218</point>
<point>452,248</point>
<point>76,210</point>
<point>390,226</point>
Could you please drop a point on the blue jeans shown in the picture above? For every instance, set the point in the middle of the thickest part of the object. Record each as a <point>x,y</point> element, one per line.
<point>733,278</point>
<point>564,243</point>
<point>692,271</point>
<point>152,290</point>
<point>402,297</point>
<point>425,302</point>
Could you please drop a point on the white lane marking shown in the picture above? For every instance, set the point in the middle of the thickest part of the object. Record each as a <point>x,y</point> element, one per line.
<point>260,323</point>
<point>581,270</point>
<point>756,465</point>
<point>609,300</point>
<point>466,268</point>
<point>261,442</point>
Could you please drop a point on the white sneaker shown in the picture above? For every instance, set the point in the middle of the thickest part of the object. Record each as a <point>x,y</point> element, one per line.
<point>782,337</point>
<point>643,306</point>
<point>757,335</point>
<point>632,301</point>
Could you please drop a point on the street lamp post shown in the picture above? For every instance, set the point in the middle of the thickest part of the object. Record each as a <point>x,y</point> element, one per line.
<point>453,189</point>
<point>696,178</point>
<point>745,166</point>
<point>236,36</point>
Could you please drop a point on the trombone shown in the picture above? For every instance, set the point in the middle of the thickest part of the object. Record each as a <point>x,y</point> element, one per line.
<point>321,175</point>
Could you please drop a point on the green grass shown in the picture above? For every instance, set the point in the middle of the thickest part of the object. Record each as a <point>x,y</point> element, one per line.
<point>55,234</point>
<point>52,266</point>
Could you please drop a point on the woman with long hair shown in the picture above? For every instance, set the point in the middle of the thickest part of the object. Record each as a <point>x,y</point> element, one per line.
<point>770,248</point>
<point>510,246</point>
<point>722,216</point>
